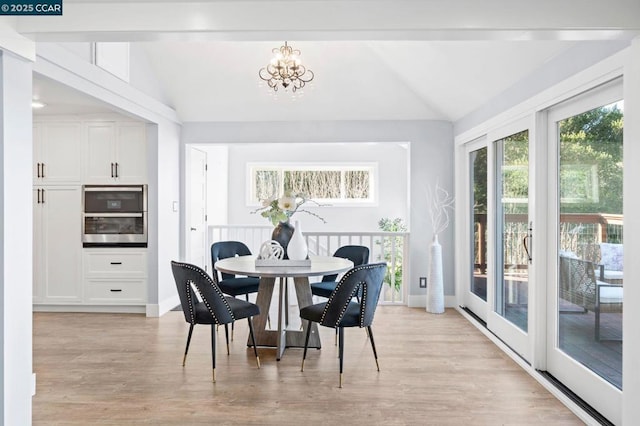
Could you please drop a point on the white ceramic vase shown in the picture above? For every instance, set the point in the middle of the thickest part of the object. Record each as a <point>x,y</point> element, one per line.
<point>297,248</point>
<point>435,288</point>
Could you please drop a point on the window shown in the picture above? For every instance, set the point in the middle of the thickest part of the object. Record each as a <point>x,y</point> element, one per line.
<point>334,183</point>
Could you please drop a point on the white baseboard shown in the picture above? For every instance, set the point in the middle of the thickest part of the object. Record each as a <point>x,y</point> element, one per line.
<point>157,310</point>
<point>33,384</point>
<point>420,301</point>
<point>115,309</point>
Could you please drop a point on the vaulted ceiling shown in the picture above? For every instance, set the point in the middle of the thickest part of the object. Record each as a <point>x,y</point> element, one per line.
<point>371,60</point>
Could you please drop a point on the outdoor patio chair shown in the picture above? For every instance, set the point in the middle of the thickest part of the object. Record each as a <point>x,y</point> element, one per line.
<point>578,285</point>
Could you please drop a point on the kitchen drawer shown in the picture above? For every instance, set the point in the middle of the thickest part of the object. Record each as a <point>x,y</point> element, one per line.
<point>115,264</point>
<point>116,291</point>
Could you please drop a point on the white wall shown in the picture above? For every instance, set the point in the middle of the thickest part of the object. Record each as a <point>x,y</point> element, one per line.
<point>164,190</point>
<point>392,183</point>
<point>579,57</point>
<point>431,160</point>
<point>16,237</point>
<point>141,73</point>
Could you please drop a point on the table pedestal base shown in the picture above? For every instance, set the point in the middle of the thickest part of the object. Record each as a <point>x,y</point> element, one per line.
<point>283,338</point>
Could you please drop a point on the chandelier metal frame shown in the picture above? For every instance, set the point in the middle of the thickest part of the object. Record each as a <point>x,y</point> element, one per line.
<point>286,70</point>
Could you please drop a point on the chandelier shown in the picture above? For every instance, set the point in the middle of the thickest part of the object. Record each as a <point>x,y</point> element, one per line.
<point>285,69</point>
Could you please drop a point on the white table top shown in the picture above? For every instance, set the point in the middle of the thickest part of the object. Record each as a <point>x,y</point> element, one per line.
<point>320,265</point>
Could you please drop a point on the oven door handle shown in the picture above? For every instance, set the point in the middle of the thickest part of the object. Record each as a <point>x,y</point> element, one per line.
<point>113,214</point>
<point>113,189</point>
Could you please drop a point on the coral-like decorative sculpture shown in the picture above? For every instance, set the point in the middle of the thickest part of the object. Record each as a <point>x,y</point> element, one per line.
<point>439,204</point>
<point>271,250</point>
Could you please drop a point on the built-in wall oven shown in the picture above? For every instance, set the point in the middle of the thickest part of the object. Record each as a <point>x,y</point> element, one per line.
<point>114,216</point>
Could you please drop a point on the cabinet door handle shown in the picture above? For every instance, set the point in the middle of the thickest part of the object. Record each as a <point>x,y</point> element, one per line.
<point>43,196</point>
<point>42,174</point>
<point>111,169</point>
<point>115,290</point>
<point>117,170</point>
<point>38,165</point>
<point>116,263</point>
<point>38,195</point>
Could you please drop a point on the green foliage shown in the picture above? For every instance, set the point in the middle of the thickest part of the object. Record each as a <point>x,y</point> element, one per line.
<point>593,138</point>
<point>394,274</point>
<point>590,164</point>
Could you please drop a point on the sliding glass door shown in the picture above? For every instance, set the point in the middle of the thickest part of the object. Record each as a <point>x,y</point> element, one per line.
<point>586,247</point>
<point>512,228</point>
<point>498,289</point>
<point>476,291</point>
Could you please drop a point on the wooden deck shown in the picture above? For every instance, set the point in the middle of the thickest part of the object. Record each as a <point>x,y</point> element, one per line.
<point>118,369</point>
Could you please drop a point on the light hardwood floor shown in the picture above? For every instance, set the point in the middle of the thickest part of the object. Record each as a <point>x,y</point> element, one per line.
<point>113,369</point>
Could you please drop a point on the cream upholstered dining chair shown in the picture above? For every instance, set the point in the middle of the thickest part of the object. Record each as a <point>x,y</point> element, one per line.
<point>341,311</point>
<point>215,308</point>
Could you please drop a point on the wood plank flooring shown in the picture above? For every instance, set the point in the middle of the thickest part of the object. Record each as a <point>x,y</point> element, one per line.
<point>119,369</point>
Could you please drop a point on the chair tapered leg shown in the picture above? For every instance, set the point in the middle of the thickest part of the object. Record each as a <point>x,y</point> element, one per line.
<point>341,349</point>
<point>186,349</point>
<point>226,335</point>
<point>373,346</point>
<point>306,344</point>
<point>253,340</point>
<point>232,327</point>
<point>213,350</point>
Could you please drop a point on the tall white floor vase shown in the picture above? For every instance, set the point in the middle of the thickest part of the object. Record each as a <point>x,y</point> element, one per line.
<point>435,288</point>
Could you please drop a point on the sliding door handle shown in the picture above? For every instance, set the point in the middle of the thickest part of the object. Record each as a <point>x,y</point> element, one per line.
<point>528,248</point>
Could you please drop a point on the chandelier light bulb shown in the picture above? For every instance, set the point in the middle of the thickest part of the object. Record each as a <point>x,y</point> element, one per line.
<point>286,70</point>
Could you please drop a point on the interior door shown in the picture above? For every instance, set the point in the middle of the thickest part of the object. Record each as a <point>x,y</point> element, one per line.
<point>584,317</point>
<point>196,208</point>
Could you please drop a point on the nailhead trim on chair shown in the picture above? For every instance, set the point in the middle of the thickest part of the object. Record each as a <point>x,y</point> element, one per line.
<point>191,313</point>
<point>363,303</point>
<point>344,308</point>
<point>215,288</point>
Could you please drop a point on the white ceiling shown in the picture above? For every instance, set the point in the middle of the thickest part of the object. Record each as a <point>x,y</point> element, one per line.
<point>60,99</point>
<point>388,59</point>
<point>354,80</point>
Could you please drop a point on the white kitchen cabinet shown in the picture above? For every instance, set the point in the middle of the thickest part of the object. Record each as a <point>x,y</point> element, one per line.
<point>57,152</point>
<point>116,153</point>
<point>115,276</point>
<point>57,245</point>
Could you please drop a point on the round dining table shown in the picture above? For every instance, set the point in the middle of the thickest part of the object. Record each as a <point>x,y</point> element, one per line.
<point>281,338</point>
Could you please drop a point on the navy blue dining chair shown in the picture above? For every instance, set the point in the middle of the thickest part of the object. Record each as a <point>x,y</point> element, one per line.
<point>214,308</point>
<point>341,311</point>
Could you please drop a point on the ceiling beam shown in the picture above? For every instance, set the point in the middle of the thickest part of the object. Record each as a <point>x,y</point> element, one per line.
<point>147,20</point>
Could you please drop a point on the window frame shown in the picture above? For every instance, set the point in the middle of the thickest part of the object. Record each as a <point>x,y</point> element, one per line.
<point>281,167</point>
